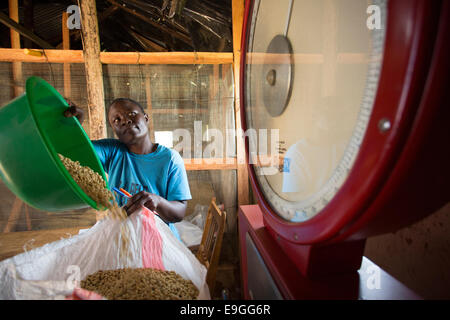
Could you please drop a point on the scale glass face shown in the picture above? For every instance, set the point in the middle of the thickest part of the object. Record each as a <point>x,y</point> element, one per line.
<point>311,76</point>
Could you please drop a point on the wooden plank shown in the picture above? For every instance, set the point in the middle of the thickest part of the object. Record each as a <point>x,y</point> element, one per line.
<point>93,70</point>
<point>220,218</point>
<point>76,56</point>
<point>41,56</point>
<point>242,171</point>
<point>66,46</point>
<point>166,58</point>
<point>210,164</point>
<point>13,243</point>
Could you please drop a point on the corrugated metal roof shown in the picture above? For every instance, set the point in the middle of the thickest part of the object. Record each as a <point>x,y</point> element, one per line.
<point>138,25</point>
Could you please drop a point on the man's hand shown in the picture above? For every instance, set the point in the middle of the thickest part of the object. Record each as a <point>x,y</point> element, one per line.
<point>74,111</point>
<point>169,211</point>
<point>149,200</point>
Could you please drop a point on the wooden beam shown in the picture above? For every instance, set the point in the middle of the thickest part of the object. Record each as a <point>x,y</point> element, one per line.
<point>76,56</point>
<point>93,67</point>
<point>210,164</point>
<point>242,171</point>
<point>166,58</point>
<point>23,31</point>
<point>41,56</point>
<point>66,46</point>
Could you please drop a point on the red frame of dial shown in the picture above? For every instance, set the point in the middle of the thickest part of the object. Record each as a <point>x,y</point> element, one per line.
<point>412,30</point>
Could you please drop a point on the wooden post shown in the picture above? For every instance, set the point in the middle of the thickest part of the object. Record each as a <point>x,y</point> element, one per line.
<point>222,98</point>
<point>242,171</point>
<point>15,44</point>
<point>93,66</point>
<point>18,90</point>
<point>66,46</point>
<point>223,180</point>
<point>148,96</point>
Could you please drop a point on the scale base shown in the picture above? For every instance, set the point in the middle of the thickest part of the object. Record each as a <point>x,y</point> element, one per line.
<point>267,272</point>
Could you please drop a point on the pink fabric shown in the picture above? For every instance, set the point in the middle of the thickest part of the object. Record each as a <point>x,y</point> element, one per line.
<point>151,242</point>
<point>82,294</point>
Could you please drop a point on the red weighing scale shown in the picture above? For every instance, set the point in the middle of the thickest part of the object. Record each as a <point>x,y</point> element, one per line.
<point>353,100</point>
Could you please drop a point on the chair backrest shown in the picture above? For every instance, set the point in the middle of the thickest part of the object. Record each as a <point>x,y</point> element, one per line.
<point>210,246</point>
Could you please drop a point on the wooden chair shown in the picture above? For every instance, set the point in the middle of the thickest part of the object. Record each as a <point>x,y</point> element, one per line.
<point>208,252</point>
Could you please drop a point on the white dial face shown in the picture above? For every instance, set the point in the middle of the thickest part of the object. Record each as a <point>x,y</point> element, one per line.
<point>312,72</point>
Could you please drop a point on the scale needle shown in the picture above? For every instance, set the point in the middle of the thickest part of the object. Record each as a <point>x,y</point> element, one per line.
<point>288,19</point>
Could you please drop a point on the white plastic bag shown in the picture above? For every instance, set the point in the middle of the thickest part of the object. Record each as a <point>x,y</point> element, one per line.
<point>53,270</point>
<point>198,217</point>
<point>190,233</point>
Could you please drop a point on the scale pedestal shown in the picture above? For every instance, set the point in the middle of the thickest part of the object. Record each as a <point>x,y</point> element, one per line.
<point>268,273</point>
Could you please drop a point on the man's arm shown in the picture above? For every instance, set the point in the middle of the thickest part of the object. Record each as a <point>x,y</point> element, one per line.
<point>169,211</point>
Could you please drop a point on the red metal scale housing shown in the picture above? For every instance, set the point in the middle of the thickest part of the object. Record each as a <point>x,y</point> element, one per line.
<point>399,176</point>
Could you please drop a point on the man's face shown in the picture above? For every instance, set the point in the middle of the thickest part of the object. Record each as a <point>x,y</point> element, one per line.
<point>128,121</point>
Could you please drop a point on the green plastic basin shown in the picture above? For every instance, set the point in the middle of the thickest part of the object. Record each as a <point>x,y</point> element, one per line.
<point>33,130</point>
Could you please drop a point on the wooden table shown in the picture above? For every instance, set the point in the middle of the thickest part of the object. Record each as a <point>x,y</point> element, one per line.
<point>12,243</point>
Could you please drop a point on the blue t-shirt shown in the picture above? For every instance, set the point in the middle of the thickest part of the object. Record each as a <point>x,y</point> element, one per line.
<point>161,172</point>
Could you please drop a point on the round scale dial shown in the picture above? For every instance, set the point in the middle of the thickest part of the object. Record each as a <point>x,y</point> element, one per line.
<point>311,75</point>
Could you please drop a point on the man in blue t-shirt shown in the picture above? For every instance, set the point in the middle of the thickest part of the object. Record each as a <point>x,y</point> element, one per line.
<point>153,174</point>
